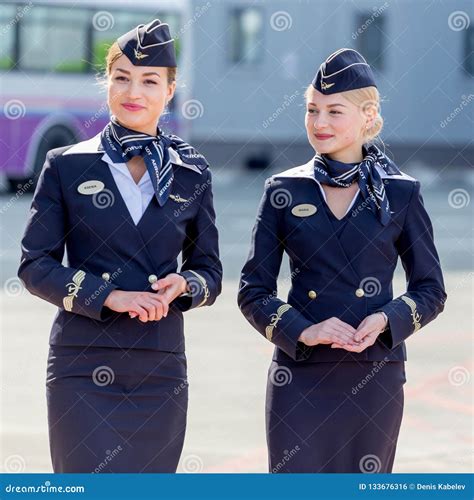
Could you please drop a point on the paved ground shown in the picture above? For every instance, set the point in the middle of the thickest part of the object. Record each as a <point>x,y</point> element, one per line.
<point>228,361</point>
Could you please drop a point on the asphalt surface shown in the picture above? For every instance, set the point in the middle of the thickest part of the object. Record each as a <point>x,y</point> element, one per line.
<point>228,360</point>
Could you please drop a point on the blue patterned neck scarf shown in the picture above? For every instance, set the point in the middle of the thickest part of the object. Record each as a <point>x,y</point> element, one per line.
<point>122,144</point>
<point>338,174</point>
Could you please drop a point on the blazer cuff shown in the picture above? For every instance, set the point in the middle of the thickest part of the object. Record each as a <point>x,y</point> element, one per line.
<point>86,293</point>
<point>197,291</point>
<point>403,320</point>
<point>284,329</point>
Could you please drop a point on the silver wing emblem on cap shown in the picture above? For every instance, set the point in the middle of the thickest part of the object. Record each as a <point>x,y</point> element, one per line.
<point>326,86</point>
<point>139,55</point>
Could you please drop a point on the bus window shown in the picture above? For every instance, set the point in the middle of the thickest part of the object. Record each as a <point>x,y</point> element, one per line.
<point>49,41</point>
<point>7,30</point>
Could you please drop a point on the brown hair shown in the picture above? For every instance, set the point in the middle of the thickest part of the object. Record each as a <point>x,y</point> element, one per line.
<point>115,52</point>
<point>367,99</point>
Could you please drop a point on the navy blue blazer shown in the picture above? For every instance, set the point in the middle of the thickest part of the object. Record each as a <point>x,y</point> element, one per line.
<point>107,251</point>
<point>349,276</point>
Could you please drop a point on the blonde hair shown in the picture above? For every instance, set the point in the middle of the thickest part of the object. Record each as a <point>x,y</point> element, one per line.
<point>367,99</point>
<point>115,52</point>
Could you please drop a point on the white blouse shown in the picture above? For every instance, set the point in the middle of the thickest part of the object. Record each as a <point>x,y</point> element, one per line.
<point>137,197</point>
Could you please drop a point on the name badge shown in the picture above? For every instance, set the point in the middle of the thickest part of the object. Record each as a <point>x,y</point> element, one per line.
<point>91,187</point>
<point>304,210</point>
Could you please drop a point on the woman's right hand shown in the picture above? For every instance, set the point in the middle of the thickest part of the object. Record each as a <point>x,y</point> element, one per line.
<point>146,305</point>
<point>330,331</point>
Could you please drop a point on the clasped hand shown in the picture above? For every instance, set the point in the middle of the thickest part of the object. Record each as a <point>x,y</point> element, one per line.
<point>341,335</point>
<point>148,306</point>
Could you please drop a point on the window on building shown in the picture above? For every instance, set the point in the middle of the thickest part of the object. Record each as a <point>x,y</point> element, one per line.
<point>469,51</point>
<point>371,38</point>
<point>246,32</point>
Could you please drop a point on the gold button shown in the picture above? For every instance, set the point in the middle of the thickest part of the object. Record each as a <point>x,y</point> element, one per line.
<point>106,276</point>
<point>152,278</point>
<point>359,292</point>
<point>312,294</point>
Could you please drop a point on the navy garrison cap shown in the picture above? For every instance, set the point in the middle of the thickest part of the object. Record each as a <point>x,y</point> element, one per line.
<point>343,70</point>
<point>149,45</point>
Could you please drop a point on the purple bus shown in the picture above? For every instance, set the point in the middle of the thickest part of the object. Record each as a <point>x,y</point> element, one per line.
<point>51,55</point>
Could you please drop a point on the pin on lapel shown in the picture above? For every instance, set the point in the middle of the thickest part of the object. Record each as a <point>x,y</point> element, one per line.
<point>177,198</point>
<point>91,187</point>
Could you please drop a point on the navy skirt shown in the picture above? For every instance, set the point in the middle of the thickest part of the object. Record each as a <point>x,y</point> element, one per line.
<point>334,417</point>
<point>116,410</point>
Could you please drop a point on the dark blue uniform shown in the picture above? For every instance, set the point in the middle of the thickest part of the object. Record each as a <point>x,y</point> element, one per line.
<point>343,269</point>
<point>143,408</point>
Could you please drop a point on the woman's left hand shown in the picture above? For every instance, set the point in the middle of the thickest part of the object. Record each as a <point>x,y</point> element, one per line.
<point>367,332</point>
<point>170,287</point>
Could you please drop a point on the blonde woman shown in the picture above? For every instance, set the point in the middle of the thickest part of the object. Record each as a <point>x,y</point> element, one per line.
<point>335,385</point>
<point>124,204</point>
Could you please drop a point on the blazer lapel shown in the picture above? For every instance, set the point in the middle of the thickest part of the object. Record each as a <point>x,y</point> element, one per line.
<point>361,231</point>
<point>321,223</point>
<point>340,252</point>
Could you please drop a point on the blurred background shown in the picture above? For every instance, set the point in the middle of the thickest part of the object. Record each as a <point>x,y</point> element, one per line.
<point>243,69</point>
